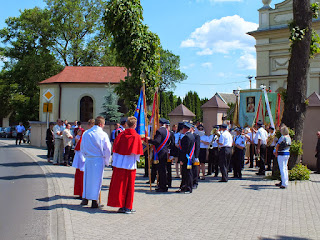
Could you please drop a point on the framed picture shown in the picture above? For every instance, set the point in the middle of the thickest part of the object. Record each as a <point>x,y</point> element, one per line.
<point>251,104</point>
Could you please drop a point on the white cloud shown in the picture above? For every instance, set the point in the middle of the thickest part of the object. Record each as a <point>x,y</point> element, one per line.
<point>188,66</point>
<point>247,61</point>
<point>207,65</point>
<point>222,36</point>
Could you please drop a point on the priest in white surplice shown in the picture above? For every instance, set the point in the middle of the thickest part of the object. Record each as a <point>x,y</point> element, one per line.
<point>96,149</point>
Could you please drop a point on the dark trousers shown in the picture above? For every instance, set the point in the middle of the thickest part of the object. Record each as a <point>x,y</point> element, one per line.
<point>50,146</point>
<point>263,149</point>
<point>252,153</point>
<point>318,162</point>
<point>169,174</point>
<point>213,161</point>
<point>195,175</point>
<point>146,164</point>
<point>270,156</point>
<point>154,171</point>
<point>19,137</point>
<point>67,154</point>
<point>187,179</point>
<point>237,162</point>
<point>224,161</point>
<point>162,170</point>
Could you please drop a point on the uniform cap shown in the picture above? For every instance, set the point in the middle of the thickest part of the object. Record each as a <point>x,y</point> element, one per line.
<point>225,126</point>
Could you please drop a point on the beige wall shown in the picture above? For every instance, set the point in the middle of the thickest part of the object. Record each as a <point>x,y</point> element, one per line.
<point>311,126</point>
<point>71,95</point>
<point>211,117</point>
<point>272,48</point>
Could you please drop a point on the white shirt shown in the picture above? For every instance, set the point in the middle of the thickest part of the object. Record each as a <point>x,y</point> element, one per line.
<point>95,144</point>
<point>225,139</point>
<point>262,134</point>
<point>66,140</point>
<point>252,136</point>
<point>20,129</point>
<point>57,129</point>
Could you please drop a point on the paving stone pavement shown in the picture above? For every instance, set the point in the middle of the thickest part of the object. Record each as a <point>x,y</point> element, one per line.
<point>252,208</point>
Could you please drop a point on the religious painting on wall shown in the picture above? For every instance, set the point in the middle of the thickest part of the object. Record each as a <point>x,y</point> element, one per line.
<point>251,104</point>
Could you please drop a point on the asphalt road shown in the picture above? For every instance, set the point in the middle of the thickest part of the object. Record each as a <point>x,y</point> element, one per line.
<point>24,210</point>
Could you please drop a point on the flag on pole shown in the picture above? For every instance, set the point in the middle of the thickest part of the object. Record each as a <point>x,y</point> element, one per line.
<point>154,120</point>
<point>140,115</point>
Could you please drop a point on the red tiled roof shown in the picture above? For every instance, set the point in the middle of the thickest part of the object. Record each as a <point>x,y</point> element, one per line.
<point>181,110</point>
<point>72,74</point>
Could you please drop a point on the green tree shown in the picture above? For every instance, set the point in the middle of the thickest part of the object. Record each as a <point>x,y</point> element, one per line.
<point>295,104</point>
<point>29,61</point>
<point>110,106</point>
<point>77,32</point>
<point>138,49</point>
<point>179,101</point>
<point>170,70</point>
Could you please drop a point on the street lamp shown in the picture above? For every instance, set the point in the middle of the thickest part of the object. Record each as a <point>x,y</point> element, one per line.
<point>250,77</point>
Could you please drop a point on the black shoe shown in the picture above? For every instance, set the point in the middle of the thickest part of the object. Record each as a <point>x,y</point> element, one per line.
<point>278,184</point>
<point>79,197</point>
<point>148,182</point>
<point>84,202</point>
<point>260,174</point>
<point>216,175</point>
<point>250,166</point>
<point>129,211</point>
<point>194,186</point>
<point>223,181</point>
<point>121,210</point>
<point>208,174</point>
<point>161,190</point>
<point>95,204</point>
<point>282,187</point>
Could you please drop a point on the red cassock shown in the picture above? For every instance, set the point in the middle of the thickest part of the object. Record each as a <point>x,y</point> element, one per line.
<point>78,176</point>
<point>127,148</point>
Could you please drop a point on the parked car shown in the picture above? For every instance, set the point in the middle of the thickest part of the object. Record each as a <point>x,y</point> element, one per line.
<point>10,132</point>
<point>2,132</point>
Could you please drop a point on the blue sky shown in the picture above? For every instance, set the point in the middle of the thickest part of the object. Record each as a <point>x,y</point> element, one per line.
<point>208,35</point>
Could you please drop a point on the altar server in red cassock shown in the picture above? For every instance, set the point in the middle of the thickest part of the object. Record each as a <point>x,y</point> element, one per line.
<point>78,163</point>
<point>127,149</point>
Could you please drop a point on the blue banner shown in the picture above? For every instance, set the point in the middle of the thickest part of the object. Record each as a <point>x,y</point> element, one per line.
<point>140,115</point>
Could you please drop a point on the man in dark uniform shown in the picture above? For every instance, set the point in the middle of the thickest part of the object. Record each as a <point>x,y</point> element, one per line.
<point>122,127</point>
<point>196,163</point>
<point>171,146</point>
<point>186,157</point>
<point>161,142</point>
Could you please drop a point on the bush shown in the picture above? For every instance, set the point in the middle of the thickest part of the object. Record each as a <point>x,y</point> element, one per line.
<point>141,163</point>
<point>299,172</point>
<point>296,148</point>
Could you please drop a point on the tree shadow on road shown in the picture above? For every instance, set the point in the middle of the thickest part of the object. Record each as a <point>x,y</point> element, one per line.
<point>56,197</point>
<point>26,176</point>
<point>77,207</point>
<point>18,164</point>
<point>284,238</point>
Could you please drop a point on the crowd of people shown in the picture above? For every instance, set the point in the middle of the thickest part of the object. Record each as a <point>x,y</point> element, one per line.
<point>185,146</point>
<point>225,149</point>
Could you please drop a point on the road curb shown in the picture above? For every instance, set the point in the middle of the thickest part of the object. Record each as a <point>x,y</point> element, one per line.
<point>60,224</point>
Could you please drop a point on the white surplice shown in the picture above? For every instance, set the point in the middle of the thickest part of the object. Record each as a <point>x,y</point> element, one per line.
<point>96,149</point>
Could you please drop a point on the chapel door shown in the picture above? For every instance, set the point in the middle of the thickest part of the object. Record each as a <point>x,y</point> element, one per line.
<point>86,109</point>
